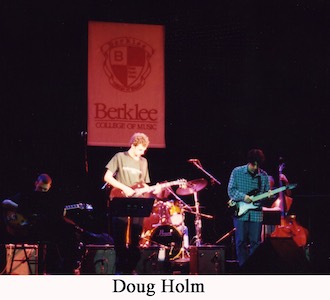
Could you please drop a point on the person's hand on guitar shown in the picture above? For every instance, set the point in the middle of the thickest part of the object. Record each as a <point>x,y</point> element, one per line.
<point>128,191</point>
<point>157,189</point>
<point>154,190</point>
<point>247,199</point>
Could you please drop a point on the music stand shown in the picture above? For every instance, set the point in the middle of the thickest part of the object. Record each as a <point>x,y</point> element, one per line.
<point>131,207</point>
<point>271,217</point>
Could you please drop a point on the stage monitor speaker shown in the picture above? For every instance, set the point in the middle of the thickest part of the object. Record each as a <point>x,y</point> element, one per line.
<point>99,259</point>
<point>277,256</point>
<point>208,259</point>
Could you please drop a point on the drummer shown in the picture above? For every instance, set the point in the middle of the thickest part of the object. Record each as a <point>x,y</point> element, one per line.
<point>175,213</point>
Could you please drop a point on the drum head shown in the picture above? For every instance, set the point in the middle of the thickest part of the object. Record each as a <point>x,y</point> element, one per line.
<point>169,236</point>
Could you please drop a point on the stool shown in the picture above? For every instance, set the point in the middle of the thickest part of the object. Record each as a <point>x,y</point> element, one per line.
<point>29,261</point>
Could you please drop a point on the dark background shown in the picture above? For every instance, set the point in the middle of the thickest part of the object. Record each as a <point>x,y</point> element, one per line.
<point>239,75</point>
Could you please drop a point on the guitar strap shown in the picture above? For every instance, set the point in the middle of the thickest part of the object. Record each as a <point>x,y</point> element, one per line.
<point>259,183</point>
<point>259,180</point>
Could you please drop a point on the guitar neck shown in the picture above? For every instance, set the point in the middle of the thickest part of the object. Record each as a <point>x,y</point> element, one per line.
<point>72,206</point>
<point>79,206</point>
<point>140,191</point>
<point>164,185</point>
<point>273,192</point>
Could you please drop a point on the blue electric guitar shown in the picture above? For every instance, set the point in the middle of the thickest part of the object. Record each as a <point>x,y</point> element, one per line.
<point>243,207</point>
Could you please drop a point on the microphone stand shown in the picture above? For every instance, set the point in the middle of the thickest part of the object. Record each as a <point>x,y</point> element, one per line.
<point>198,164</point>
<point>179,199</point>
<point>198,220</point>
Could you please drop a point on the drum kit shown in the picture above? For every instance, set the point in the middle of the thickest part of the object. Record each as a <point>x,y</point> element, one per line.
<point>165,227</point>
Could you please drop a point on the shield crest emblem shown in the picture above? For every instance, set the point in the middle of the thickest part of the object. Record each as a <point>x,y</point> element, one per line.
<point>127,63</point>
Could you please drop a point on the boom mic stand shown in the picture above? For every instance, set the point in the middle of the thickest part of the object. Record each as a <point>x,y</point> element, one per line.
<point>198,164</point>
<point>198,221</point>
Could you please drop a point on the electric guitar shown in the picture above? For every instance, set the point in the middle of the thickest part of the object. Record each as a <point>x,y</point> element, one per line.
<point>144,191</point>
<point>242,207</point>
<point>79,206</point>
<point>16,224</point>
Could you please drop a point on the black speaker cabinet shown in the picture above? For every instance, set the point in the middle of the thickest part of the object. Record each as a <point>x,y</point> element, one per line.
<point>208,259</point>
<point>277,256</point>
<point>99,259</point>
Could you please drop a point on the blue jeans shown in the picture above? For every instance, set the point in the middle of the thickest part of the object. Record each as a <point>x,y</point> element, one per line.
<point>247,238</point>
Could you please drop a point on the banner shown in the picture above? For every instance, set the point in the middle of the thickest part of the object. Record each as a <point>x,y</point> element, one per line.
<point>126,91</point>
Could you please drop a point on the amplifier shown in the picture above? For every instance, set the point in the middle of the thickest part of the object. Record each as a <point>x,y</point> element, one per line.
<point>209,259</point>
<point>99,259</point>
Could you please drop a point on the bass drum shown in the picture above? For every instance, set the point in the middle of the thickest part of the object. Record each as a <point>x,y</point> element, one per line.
<point>158,216</point>
<point>165,235</point>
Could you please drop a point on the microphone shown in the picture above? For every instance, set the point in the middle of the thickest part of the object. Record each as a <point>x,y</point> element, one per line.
<point>172,247</point>
<point>193,160</point>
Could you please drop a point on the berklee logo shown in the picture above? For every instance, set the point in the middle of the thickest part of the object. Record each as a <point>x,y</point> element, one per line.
<point>127,63</point>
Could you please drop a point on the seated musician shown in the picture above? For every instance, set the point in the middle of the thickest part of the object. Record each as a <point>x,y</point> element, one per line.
<point>37,217</point>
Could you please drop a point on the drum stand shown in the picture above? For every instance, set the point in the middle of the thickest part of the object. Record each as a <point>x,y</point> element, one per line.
<point>198,222</point>
<point>183,253</point>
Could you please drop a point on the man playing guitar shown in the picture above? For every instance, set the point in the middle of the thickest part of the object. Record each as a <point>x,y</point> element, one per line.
<point>245,182</point>
<point>125,172</point>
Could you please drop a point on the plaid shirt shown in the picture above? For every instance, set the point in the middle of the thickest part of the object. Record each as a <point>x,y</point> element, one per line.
<point>241,183</point>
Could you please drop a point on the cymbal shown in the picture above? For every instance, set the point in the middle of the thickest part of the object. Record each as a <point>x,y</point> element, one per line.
<point>192,186</point>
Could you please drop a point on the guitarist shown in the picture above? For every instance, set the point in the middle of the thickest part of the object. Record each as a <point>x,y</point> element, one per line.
<point>37,216</point>
<point>124,171</point>
<point>246,181</point>
<point>20,209</point>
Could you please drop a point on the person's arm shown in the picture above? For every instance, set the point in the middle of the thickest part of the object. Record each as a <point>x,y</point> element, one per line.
<point>9,204</point>
<point>233,192</point>
<point>110,179</point>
